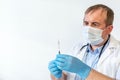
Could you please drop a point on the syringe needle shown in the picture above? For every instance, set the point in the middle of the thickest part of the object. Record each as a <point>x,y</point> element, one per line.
<point>58,46</point>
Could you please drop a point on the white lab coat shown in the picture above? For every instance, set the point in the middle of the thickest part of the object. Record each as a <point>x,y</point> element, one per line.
<point>109,62</point>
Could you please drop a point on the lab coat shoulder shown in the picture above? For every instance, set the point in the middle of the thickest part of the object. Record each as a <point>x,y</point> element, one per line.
<point>116,59</point>
<point>109,62</point>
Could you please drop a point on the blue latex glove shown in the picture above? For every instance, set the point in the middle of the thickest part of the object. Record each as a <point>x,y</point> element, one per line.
<point>54,69</point>
<point>72,64</point>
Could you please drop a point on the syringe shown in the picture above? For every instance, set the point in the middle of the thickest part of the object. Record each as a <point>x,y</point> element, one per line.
<point>58,46</point>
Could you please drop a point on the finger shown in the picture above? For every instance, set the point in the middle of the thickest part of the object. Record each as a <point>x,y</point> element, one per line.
<point>61,56</point>
<point>62,60</point>
<point>60,64</point>
<point>57,74</point>
<point>52,66</point>
<point>55,69</point>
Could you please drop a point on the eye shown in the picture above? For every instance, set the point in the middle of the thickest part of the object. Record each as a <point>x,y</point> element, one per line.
<point>85,23</point>
<point>95,24</point>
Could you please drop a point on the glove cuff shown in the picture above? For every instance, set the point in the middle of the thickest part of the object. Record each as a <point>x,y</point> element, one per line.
<point>86,73</point>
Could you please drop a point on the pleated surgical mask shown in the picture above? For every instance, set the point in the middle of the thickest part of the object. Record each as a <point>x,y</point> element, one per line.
<point>92,35</point>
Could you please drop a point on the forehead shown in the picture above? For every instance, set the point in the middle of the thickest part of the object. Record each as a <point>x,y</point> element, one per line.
<point>99,15</point>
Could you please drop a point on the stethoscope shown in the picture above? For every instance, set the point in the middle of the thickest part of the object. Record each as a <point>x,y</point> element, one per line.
<point>101,49</point>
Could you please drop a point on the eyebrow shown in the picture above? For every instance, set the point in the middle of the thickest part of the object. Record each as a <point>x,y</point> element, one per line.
<point>92,22</point>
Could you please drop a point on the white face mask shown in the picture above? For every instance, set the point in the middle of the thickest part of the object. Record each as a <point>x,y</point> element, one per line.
<point>92,35</point>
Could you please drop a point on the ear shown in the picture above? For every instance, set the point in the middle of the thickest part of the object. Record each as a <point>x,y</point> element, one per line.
<point>107,31</point>
<point>109,28</point>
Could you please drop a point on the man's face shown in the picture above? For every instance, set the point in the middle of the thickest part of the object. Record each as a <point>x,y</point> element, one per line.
<point>97,19</point>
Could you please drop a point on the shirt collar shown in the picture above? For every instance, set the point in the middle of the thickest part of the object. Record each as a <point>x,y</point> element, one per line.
<point>96,51</point>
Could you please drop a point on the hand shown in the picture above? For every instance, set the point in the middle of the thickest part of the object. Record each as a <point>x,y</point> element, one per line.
<point>72,64</point>
<point>54,69</point>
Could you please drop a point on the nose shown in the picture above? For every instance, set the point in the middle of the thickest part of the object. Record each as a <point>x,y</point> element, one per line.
<point>89,24</point>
